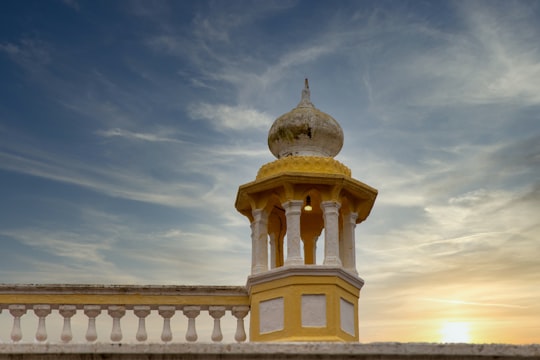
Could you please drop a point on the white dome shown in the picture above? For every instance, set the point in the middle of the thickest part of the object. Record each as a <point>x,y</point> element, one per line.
<point>305,131</point>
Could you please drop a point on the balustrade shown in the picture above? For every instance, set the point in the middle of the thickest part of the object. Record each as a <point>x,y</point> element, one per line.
<point>117,301</point>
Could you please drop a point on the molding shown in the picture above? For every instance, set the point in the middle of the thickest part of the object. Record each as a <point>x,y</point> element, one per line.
<point>129,296</point>
<point>313,271</point>
<point>283,350</point>
<point>303,164</point>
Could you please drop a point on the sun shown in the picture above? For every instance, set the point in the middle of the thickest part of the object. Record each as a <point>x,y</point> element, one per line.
<point>455,332</point>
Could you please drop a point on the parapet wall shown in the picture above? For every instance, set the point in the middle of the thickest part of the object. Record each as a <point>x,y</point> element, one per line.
<point>274,351</point>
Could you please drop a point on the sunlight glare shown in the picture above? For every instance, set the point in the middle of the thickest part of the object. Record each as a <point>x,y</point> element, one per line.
<point>455,332</point>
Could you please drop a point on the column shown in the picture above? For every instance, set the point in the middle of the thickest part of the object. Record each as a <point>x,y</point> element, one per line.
<point>166,312</point>
<point>240,312</point>
<point>92,311</point>
<point>16,311</point>
<point>331,232</point>
<point>273,250</point>
<point>259,240</point>
<point>116,312</point>
<point>41,312</point>
<point>67,312</point>
<point>349,248</point>
<point>217,312</point>
<point>314,254</point>
<point>293,209</point>
<point>141,311</point>
<point>191,312</point>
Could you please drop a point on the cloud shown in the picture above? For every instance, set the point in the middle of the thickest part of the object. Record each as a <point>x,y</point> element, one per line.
<point>226,117</point>
<point>31,54</point>
<point>130,135</point>
<point>118,183</point>
<point>448,301</point>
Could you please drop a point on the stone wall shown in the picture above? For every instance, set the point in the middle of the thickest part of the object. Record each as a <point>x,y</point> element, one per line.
<point>274,351</point>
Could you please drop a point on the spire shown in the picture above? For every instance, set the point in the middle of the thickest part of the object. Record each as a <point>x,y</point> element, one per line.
<point>305,101</point>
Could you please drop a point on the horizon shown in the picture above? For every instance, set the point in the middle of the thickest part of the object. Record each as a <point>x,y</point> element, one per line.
<point>127,127</point>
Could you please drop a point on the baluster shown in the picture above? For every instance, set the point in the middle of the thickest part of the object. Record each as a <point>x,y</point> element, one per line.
<point>240,312</point>
<point>167,313</point>
<point>67,311</point>
<point>142,312</point>
<point>191,312</point>
<point>217,313</point>
<point>92,311</point>
<point>16,311</point>
<point>116,312</point>
<point>42,311</point>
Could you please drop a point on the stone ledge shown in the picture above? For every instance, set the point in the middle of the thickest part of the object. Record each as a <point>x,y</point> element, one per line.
<point>370,351</point>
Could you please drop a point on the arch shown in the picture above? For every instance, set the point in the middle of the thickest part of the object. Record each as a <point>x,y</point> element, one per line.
<point>311,225</point>
<point>277,228</point>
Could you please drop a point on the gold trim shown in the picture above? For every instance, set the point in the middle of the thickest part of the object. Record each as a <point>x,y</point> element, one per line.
<point>129,299</point>
<point>303,164</point>
<point>291,290</point>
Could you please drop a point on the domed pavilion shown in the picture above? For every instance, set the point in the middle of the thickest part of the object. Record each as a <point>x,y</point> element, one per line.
<point>294,296</point>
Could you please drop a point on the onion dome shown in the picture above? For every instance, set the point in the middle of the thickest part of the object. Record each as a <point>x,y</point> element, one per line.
<point>305,131</point>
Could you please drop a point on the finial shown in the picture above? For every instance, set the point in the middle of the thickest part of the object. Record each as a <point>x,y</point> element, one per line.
<point>305,101</point>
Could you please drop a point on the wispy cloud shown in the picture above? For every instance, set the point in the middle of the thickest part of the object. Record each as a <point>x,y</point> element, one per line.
<point>117,183</point>
<point>226,117</point>
<point>31,54</point>
<point>130,135</point>
<point>460,302</point>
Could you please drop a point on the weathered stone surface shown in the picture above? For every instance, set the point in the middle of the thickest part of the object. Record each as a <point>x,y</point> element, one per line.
<point>305,131</point>
<point>379,351</point>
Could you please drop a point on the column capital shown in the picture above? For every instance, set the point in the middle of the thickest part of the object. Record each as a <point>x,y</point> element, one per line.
<point>141,311</point>
<point>352,217</point>
<point>67,311</point>
<point>293,206</point>
<point>259,214</point>
<point>330,205</point>
<point>92,311</point>
<point>166,311</point>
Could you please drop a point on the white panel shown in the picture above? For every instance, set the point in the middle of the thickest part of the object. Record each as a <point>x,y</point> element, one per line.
<point>271,315</point>
<point>348,316</point>
<point>314,310</point>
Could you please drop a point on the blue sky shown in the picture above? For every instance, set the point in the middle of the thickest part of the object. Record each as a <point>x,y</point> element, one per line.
<point>126,128</point>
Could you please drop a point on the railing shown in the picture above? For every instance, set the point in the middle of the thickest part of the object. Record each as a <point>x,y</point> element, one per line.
<point>117,301</point>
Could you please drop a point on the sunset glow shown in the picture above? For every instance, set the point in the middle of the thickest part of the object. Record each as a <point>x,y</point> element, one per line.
<point>455,332</point>
<point>127,127</point>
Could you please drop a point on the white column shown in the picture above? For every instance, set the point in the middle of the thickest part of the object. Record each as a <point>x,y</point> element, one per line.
<point>141,311</point>
<point>191,312</point>
<point>16,311</point>
<point>217,312</point>
<point>315,238</point>
<point>41,312</point>
<point>293,209</point>
<point>259,240</point>
<point>240,312</point>
<point>273,248</point>
<point>331,232</point>
<point>92,311</point>
<point>166,312</point>
<point>67,311</point>
<point>116,312</point>
<point>349,248</point>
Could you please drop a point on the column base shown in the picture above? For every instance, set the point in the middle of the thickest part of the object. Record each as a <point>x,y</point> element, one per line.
<point>304,303</point>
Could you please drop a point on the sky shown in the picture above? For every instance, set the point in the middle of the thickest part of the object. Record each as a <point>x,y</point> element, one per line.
<point>126,128</point>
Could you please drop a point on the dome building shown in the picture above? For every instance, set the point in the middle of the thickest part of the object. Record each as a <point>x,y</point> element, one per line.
<point>293,295</point>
